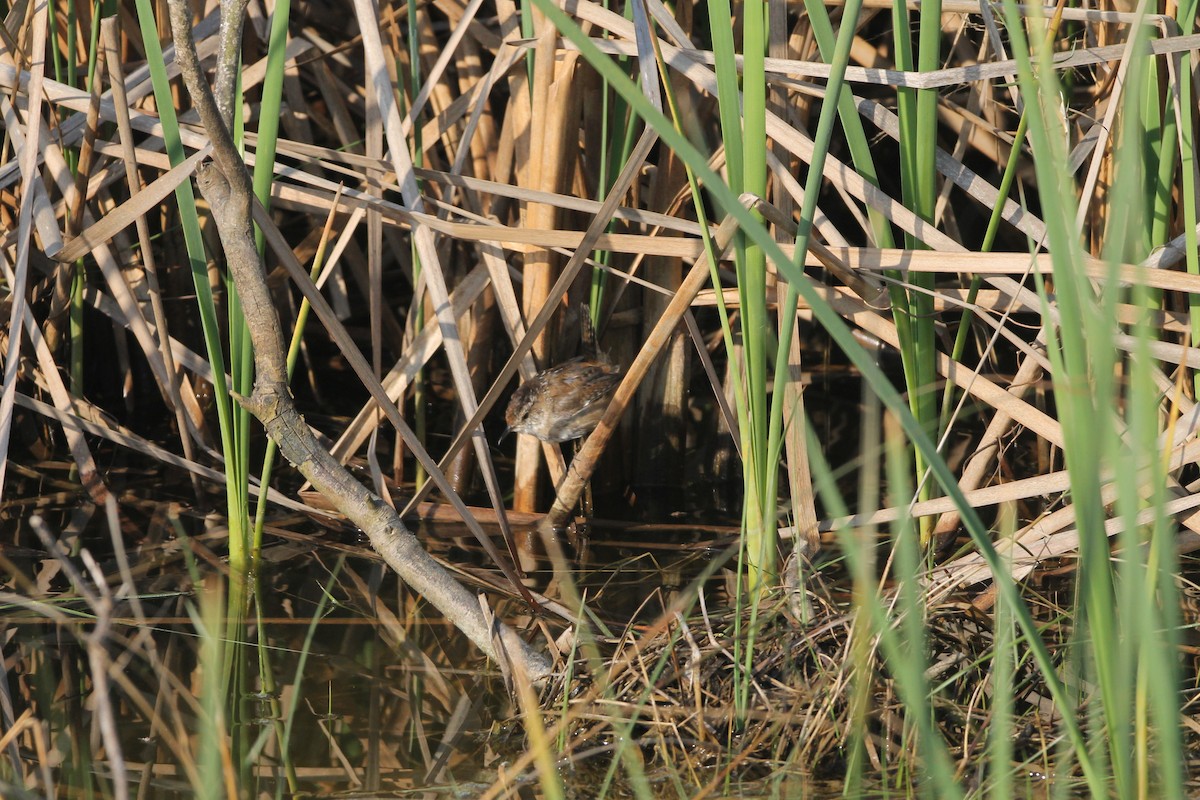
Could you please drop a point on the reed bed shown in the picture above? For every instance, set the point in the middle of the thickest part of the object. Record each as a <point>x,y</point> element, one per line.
<point>896,496</point>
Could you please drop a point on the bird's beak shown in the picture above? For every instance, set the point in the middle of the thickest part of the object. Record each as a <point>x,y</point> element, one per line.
<point>507,430</point>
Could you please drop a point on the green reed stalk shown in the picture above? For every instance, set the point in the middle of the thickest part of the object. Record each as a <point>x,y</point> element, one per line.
<point>743,131</point>
<point>212,733</point>
<point>1076,385</point>
<point>905,645</point>
<point>243,585</point>
<point>420,409</point>
<point>271,107</point>
<point>743,651</point>
<point>617,154</point>
<point>1004,660</point>
<point>1125,614</point>
<point>263,179</point>
<point>856,139</point>
<point>759,472</point>
<point>1145,756</point>
<point>234,470</point>
<point>808,211</point>
<point>79,279</point>
<point>64,72</point>
<point>917,112</point>
<point>1161,148</point>
<point>1147,597</point>
<point>852,126</point>
<point>864,590</point>
<point>769,486</point>
<point>1162,602</point>
<point>1187,162</point>
<point>614,118</point>
<point>264,176</point>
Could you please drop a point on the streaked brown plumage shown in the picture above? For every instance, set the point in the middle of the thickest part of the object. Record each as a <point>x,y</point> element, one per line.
<point>563,402</point>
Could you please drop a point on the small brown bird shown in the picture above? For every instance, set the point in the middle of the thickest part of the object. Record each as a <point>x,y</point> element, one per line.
<point>563,402</point>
